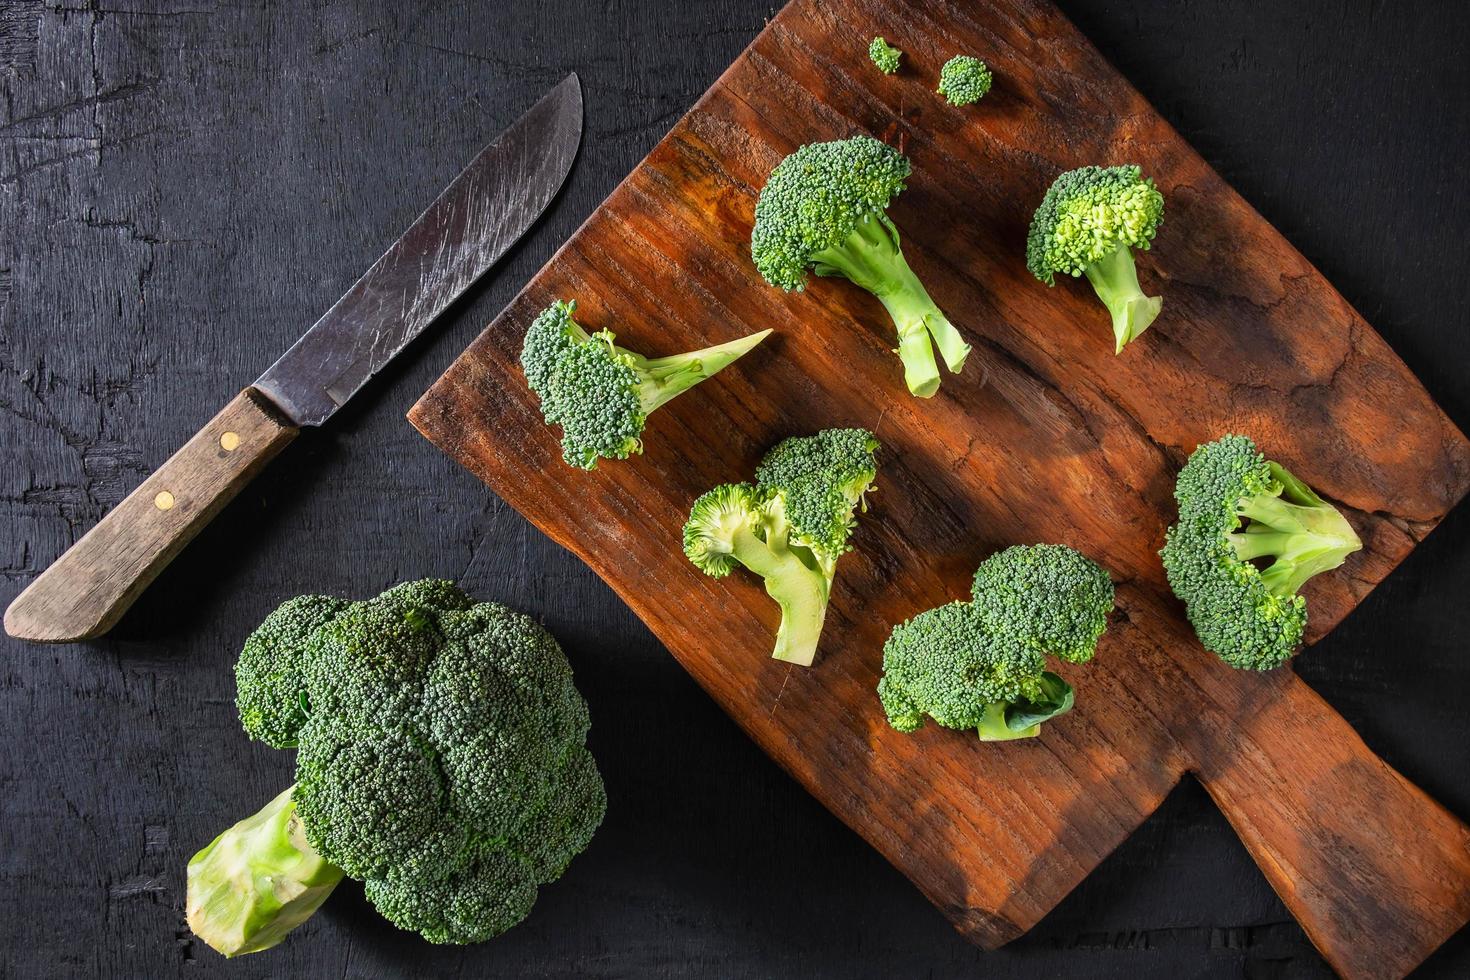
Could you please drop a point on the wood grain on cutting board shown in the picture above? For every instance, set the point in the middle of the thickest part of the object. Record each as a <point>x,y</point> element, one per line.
<point>1046,436</point>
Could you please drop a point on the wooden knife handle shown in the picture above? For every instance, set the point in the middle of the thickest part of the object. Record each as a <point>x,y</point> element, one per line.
<point>88,588</point>
<point>1376,872</point>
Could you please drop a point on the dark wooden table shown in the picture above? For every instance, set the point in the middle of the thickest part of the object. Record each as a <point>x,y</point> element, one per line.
<point>186,184</point>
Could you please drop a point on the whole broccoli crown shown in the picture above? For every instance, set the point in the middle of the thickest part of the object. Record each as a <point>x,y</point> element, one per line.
<point>1233,612</point>
<point>884,55</point>
<point>1047,596</point>
<point>713,521</point>
<point>964,79</point>
<point>1087,215</point>
<point>586,385</point>
<point>814,199</point>
<point>821,479</point>
<point>442,757</point>
<point>947,664</point>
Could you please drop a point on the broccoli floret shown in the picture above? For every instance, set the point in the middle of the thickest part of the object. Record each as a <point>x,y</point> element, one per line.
<point>1087,225</point>
<point>823,208</point>
<point>441,760</point>
<point>964,79</point>
<point>1078,597</point>
<point>949,664</point>
<point>981,664</point>
<point>789,528</point>
<point>884,55</point>
<point>602,394</point>
<point>1239,584</point>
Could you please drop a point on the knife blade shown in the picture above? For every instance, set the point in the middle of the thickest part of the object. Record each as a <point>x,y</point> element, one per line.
<point>470,225</point>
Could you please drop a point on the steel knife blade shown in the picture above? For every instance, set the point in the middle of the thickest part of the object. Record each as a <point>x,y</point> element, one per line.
<point>469,226</point>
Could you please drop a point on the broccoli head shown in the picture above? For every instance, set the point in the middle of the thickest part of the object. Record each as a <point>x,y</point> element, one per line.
<point>949,664</point>
<point>1249,537</point>
<point>1087,225</point>
<point>789,527</point>
<point>602,394</point>
<point>824,208</point>
<point>884,55</point>
<point>982,664</point>
<point>964,79</point>
<point>441,760</point>
<point>1067,622</point>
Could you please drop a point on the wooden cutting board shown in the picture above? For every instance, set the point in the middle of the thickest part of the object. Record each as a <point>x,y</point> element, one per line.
<point>1046,436</point>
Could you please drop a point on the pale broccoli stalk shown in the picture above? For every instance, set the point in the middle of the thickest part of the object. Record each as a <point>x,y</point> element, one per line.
<point>823,209</point>
<point>602,394</point>
<point>1088,224</point>
<point>1250,616</point>
<point>257,881</point>
<point>964,80</point>
<point>884,55</point>
<point>442,762</point>
<point>789,528</point>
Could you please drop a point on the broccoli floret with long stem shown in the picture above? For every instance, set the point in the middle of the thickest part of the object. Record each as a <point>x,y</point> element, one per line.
<point>1088,225</point>
<point>981,664</point>
<point>441,760</point>
<point>789,528</point>
<point>1249,536</point>
<point>824,208</point>
<point>964,79</point>
<point>884,55</point>
<point>602,394</point>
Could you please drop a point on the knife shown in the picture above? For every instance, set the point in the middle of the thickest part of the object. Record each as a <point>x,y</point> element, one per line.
<point>467,228</point>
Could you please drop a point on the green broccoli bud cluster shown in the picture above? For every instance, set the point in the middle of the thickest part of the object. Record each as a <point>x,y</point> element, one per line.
<point>1249,536</point>
<point>824,208</point>
<point>441,760</point>
<point>884,55</point>
<point>981,664</point>
<point>964,79</point>
<point>601,394</point>
<point>1088,224</point>
<point>789,528</point>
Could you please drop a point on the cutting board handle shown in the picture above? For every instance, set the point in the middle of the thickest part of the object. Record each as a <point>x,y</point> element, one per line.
<point>88,588</point>
<point>1376,872</point>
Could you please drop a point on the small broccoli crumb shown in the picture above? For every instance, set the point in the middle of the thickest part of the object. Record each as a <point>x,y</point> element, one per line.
<point>964,80</point>
<point>884,55</point>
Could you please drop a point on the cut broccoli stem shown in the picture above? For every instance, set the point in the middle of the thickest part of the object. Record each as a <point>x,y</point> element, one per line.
<point>993,727</point>
<point>799,588</point>
<point>665,378</point>
<point>871,258</point>
<point>1115,278</point>
<point>257,881</point>
<point>1302,534</point>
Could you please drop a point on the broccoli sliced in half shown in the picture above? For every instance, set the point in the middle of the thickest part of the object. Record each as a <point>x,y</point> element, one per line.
<point>441,760</point>
<point>602,394</point>
<point>1087,225</point>
<point>964,79</point>
<point>982,664</point>
<point>1240,583</point>
<point>884,55</point>
<point>824,208</point>
<point>789,527</point>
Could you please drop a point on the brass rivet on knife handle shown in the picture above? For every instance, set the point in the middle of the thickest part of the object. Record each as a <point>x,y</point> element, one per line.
<point>89,587</point>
